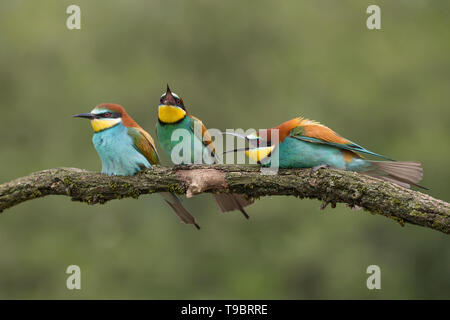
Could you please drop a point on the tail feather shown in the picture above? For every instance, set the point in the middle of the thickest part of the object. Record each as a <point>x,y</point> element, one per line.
<point>404,173</point>
<point>230,202</point>
<point>393,180</point>
<point>174,202</point>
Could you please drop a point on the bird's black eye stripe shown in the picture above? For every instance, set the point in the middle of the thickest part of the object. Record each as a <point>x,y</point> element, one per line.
<point>108,115</point>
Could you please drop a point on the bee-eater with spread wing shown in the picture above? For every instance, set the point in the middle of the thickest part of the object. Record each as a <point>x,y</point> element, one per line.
<point>125,148</point>
<point>172,115</point>
<point>303,143</point>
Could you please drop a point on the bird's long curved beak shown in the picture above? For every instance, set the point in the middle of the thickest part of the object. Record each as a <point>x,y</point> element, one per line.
<point>169,98</point>
<point>248,138</point>
<point>237,150</point>
<point>84,115</point>
<point>236,135</point>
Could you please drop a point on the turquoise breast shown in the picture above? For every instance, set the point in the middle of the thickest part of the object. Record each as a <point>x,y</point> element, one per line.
<point>118,153</point>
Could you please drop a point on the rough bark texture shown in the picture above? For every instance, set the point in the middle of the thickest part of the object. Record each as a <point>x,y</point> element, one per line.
<point>329,185</point>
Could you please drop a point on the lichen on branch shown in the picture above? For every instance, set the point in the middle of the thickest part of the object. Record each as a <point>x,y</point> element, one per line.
<point>328,185</point>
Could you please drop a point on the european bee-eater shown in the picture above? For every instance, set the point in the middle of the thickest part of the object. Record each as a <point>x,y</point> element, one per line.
<point>172,115</point>
<point>303,143</point>
<point>125,148</point>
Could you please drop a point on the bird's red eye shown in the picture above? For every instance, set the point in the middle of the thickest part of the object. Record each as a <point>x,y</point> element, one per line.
<point>107,114</point>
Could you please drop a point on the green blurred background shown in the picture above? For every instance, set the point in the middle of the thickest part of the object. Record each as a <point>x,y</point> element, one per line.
<point>236,64</point>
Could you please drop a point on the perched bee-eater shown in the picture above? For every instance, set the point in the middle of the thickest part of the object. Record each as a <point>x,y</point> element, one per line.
<point>125,148</point>
<point>172,115</point>
<point>303,143</point>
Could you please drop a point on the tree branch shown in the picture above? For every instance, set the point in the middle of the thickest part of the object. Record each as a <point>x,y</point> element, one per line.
<point>329,185</point>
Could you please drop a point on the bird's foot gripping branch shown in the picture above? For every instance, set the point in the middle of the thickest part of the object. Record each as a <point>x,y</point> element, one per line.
<point>329,185</point>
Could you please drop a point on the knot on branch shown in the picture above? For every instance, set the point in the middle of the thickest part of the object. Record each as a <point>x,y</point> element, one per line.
<point>329,185</point>
<point>201,180</point>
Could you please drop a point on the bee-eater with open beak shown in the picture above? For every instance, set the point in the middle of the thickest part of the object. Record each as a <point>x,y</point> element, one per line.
<point>303,143</point>
<point>125,148</point>
<point>172,115</point>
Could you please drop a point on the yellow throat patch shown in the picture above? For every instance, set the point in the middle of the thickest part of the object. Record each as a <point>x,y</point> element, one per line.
<point>102,124</point>
<point>258,154</point>
<point>170,114</point>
